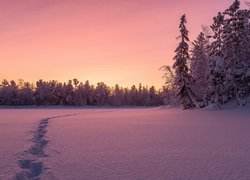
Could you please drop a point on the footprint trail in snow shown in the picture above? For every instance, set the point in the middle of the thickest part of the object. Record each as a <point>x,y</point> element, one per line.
<point>30,161</point>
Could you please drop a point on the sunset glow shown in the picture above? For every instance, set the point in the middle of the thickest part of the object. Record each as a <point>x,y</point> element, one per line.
<point>115,41</point>
<point>124,89</point>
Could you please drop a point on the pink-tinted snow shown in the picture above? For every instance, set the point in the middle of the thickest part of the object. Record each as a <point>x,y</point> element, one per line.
<point>157,143</point>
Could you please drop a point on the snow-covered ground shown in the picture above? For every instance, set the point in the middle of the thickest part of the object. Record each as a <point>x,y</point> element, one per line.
<point>155,143</point>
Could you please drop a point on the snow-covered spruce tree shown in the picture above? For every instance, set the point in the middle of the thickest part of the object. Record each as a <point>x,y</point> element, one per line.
<point>199,66</point>
<point>214,92</point>
<point>217,28</point>
<point>182,78</point>
<point>236,43</point>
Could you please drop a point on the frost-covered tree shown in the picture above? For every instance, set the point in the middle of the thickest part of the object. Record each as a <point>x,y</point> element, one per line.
<point>214,92</point>
<point>78,97</point>
<point>4,92</point>
<point>117,97</point>
<point>169,88</point>
<point>217,28</point>
<point>168,76</point>
<point>229,56</point>
<point>25,93</point>
<point>10,93</point>
<point>199,66</point>
<point>182,78</point>
<point>46,93</point>
<point>235,49</point>
<point>101,94</point>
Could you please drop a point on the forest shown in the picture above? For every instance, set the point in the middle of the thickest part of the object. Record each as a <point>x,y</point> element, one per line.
<point>75,93</point>
<point>216,69</point>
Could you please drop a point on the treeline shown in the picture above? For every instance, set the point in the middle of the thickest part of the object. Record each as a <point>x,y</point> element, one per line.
<point>217,67</point>
<point>75,93</point>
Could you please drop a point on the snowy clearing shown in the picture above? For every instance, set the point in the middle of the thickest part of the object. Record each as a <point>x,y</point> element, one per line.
<point>155,143</point>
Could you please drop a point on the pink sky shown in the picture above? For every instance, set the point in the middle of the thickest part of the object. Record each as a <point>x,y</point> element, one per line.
<point>113,41</point>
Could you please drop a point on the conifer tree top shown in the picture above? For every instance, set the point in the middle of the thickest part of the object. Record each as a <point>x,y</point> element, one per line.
<point>183,29</point>
<point>233,8</point>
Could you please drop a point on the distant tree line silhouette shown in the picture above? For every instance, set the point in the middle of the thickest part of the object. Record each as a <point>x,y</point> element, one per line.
<point>75,93</point>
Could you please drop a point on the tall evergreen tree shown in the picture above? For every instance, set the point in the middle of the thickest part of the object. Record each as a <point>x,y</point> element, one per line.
<point>236,49</point>
<point>199,66</point>
<point>217,28</point>
<point>214,92</point>
<point>182,78</point>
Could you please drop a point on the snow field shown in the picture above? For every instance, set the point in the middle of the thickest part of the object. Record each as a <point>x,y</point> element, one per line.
<point>156,143</point>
